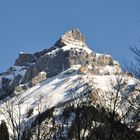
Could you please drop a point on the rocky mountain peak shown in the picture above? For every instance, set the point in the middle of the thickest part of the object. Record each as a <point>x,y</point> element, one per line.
<point>73,37</point>
<point>63,80</point>
<point>68,51</point>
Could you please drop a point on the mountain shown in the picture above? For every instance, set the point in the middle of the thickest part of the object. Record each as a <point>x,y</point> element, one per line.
<point>69,92</point>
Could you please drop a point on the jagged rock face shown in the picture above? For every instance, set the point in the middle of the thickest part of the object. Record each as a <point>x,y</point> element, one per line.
<point>62,60</point>
<point>57,61</point>
<point>10,79</point>
<point>69,50</point>
<point>5,84</point>
<point>41,53</point>
<point>87,81</point>
<point>25,59</point>
<point>105,60</point>
<point>32,71</point>
<point>73,37</point>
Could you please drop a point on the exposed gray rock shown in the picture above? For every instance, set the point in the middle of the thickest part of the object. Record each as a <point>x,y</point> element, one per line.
<point>105,60</point>
<point>73,37</point>
<point>31,72</point>
<point>62,60</point>
<point>8,85</point>
<point>10,79</point>
<point>41,53</point>
<point>53,63</point>
<point>55,60</point>
<point>16,81</point>
<point>24,59</point>
<point>5,86</point>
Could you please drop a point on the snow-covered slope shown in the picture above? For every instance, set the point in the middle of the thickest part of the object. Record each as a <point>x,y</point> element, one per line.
<point>75,74</point>
<point>68,86</point>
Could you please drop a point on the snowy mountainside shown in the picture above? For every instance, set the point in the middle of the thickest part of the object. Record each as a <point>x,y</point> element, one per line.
<point>69,50</point>
<point>64,78</point>
<point>68,86</point>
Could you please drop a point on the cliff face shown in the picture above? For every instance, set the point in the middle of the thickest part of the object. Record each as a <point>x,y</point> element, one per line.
<point>73,37</point>
<point>71,49</point>
<point>71,89</point>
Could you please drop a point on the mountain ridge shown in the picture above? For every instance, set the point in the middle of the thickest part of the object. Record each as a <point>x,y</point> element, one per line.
<point>65,53</point>
<point>52,84</point>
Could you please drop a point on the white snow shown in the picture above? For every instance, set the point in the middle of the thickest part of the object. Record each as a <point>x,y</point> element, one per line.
<point>99,55</point>
<point>21,52</point>
<point>69,47</point>
<point>62,88</point>
<point>53,51</point>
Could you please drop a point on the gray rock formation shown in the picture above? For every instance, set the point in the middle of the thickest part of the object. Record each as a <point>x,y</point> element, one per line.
<point>10,79</point>
<point>62,60</point>
<point>32,71</point>
<point>73,37</point>
<point>5,85</point>
<point>55,60</point>
<point>24,59</point>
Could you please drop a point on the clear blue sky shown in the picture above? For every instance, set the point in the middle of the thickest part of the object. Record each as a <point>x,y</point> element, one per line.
<point>110,26</point>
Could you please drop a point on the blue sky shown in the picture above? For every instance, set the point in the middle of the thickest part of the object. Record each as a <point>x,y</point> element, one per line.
<point>109,26</point>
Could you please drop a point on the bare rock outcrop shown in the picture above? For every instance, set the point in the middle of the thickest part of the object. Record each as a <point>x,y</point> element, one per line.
<point>71,49</point>
<point>73,37</point>
<point>24,59</point>
<point>41,77</point>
